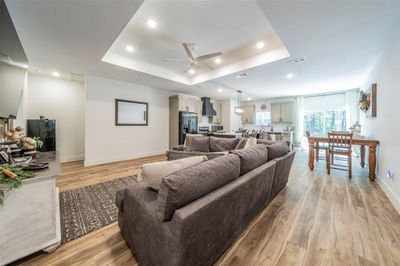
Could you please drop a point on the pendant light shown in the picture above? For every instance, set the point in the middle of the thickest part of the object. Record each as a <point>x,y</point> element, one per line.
<point>238,109</point>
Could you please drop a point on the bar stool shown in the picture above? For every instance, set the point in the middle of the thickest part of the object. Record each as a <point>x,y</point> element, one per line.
<point>340,143</point>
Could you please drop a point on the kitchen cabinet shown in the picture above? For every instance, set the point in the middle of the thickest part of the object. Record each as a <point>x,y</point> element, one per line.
<point>189,104</point>
<point>248,114</point>
<point>282,112</point>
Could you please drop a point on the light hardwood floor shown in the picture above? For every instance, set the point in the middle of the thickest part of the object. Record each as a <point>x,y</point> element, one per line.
<point>316,220</point>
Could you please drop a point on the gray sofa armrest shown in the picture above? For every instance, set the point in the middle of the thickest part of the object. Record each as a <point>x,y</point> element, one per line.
<point>210,224</point>
<point>176,155</point>
<point>179,148</point>
<point>283,166</point>
<point>154,242</point>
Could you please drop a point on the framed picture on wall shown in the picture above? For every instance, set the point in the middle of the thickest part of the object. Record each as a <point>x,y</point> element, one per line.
<point>373,100</point>
<point>131,113</point>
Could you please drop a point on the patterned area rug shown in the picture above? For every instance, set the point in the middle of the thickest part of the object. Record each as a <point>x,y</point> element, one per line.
<point>86,209</point>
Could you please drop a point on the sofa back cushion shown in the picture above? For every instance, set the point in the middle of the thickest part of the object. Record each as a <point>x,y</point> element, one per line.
<point>188,141</point>
<point>185,186</point>
<point>251,157</point>
<point>152,173</point>
<point>222,144</point>
<point>200,144</point>
<point>278,149</point>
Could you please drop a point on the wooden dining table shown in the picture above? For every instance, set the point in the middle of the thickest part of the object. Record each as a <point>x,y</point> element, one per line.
<point>357,140</point>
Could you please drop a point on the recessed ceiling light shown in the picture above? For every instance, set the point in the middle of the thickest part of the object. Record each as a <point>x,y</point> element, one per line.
<point>129,48</point>
<point>55,74</point>
<point>219,90</point>
<point>151,23</point>
<point>260,45</point>
<point>249,99</point>
<point>289,76</point>
<point>218,60</point>
<point>191,71</point>
<point>25,66</point>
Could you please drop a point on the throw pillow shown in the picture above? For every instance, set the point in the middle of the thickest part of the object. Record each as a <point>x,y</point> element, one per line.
<point>188,141</point>
<point>201,144</point>
<point>277,149</point>
<point>252,141</point>
<point>222,144</point>
<point>252,157</point>
<point>152,173</point>
<point>241,144</point>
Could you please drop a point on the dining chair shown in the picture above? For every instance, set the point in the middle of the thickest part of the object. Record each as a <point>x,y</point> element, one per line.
<point>340,143</point>
<point>317,147</point>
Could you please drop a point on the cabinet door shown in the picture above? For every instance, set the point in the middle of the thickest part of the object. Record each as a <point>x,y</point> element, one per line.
<point>275,112</point>
<point>248,114</point>
<point>287,115</point>
<point>182,103</point>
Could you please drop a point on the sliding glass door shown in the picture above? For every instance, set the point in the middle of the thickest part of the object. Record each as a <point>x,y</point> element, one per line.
<point>320,123</point>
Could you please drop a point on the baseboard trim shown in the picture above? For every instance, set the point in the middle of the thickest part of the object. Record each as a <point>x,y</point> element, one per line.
<point>389,193</point>
<point>122,158</point>
<point>74,158</point>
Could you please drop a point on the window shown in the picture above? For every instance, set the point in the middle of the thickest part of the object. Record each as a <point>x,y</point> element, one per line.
<point>323,122</point>
<point>263,118</point>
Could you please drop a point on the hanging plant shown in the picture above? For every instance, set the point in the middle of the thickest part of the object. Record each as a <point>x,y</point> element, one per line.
<point>11,177</point>
<point>364,101</point>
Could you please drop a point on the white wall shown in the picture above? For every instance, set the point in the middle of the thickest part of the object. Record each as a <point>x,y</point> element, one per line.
<point>230,121</point>
<point>386,127</point>
<point>105,142</point>
<point>62,100</point>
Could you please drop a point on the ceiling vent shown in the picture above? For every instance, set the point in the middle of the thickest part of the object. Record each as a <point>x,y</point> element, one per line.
<point>297,60</point>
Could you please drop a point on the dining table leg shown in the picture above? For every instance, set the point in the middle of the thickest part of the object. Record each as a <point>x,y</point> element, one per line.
<point>362,156</point>
<point>311,155</point>
<point>372,161</point>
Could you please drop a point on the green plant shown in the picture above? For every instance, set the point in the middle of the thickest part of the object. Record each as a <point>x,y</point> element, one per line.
<point>364,101</point>
<point>7,183</point>
<point>39,142</point>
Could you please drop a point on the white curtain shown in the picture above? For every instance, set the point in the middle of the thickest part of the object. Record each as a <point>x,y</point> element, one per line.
<point>300,119</point>
<point>352,110</point>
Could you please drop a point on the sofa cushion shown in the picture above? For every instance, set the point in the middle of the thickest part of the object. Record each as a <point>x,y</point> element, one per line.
<point>252,157</point>
<point>187,185</point>
<point>222,144</point>
<point>188,141</point>
<point>266,141</point>
<point>278,149</point>
<point>241,144</point>
<point>201,144</point>
<point>152,173</point>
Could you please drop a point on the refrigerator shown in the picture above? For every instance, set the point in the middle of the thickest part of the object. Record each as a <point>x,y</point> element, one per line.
<point>46,130</point>
<point>188,123</point>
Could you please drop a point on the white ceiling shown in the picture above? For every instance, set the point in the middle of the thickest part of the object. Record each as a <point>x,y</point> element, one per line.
<point>340,39</point>
<point>233,28</point>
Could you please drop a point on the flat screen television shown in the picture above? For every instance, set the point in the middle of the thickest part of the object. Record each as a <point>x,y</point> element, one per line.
<point>13,63</point>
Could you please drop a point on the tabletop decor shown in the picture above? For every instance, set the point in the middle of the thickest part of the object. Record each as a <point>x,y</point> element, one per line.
<point>11,177</point>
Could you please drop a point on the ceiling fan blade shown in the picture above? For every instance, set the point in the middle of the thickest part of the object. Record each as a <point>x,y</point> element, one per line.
<point>174,59</point>
<point>206,65</point>
<point>208,56</point>
<point>188,50</point>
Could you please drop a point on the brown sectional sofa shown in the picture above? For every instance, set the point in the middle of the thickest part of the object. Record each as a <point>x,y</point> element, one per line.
<point>199,211</point>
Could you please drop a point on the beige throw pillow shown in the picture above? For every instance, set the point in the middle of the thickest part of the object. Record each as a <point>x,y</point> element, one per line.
<point>152,173</point>
<point>250,142</point>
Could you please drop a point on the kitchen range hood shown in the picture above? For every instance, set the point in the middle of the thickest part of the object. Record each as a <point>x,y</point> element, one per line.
<point>208,109</point>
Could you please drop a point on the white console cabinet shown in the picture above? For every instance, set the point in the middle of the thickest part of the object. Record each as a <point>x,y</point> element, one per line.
<point>30,216</point>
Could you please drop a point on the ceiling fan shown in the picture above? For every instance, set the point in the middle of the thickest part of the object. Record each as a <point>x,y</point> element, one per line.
<point>193,58</point>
